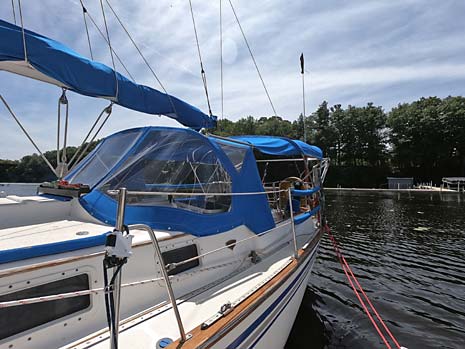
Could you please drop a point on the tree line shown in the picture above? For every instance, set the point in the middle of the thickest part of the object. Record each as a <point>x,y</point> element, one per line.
<point>32,168</point>
<point>424,139</point>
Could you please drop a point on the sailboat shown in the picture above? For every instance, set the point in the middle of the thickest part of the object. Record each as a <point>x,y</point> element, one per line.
<point>160,237</point>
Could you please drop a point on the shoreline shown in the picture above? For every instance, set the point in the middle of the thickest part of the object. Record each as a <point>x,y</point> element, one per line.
<point>437,190</point>
<point>30,189</point>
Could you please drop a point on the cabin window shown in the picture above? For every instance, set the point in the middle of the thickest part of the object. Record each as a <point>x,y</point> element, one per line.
<point>234,153</point>
<point>103,159</point>
<point>179,255</point>
<point>20,318</point>
<point>172,162</point>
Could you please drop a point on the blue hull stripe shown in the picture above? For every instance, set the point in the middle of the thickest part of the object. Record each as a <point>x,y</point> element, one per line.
<point>279,313</point>
<point>20,253</point>
<point>262,317</point>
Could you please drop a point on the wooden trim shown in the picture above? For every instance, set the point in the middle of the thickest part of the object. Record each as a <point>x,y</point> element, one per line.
<point>66,260</point>
<point>208,337</point>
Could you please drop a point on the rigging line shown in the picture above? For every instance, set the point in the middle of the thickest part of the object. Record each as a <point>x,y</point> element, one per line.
<point>64,100</point>
<point>27,135</point>
<point>58,130</point>
<point>111,49</point>
<point>97,291</point>
<point>61,155</point>
<point>142,56</point>
<point>104,38</point>
<point>221,59</point>
<point>202,70</point>
<point>14,12</point>
<point>88,135</point>
<point>253,58</point>
<point>84,11</point>
<point>107,110</point>
<point>22,30</point>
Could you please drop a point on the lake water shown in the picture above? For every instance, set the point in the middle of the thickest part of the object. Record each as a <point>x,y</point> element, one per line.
<point>408,252</point>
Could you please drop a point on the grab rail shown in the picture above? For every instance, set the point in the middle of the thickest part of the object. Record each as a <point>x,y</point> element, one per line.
<point>117,271</point>
<point>169,288</point>
<point>291,212</point>
<point>174,193</point>
<point>122,193</point>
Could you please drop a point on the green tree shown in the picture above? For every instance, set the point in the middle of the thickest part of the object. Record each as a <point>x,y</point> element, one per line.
<point>245,126</point>
<point>325,131</point>
<point>452,116</point>
<point>371,134</point>
<point>275,126</point>
<point>32,168</point>
<point>225,127</point>
<point>338,119</point>
<point>418,136</point>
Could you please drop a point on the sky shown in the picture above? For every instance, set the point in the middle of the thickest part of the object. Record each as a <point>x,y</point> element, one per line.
<point>385,52</point>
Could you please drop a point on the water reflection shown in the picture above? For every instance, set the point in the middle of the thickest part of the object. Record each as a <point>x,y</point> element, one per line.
<point>407,249</point>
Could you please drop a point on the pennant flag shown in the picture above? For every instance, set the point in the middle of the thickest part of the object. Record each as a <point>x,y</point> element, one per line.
<point>302,63</point>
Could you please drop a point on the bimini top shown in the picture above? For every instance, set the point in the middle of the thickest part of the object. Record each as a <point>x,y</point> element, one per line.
<point>281,146</point>
<point>184,181</point>
<point>53,62</point>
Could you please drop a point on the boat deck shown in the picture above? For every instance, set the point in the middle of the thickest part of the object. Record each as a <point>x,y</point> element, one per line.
<point>195,308</point>
<point>51,232</point>
<point>41,241</point>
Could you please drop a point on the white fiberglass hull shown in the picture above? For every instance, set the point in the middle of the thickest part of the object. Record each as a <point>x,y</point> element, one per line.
<point>268,327</point>
<point>273,288</point>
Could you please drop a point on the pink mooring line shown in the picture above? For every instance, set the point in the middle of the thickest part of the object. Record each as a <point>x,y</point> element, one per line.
<point>351,277</point>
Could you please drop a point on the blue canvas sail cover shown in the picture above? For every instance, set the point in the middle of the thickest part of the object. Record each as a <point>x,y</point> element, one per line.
<point>281,146</point>
<point>53,62</point>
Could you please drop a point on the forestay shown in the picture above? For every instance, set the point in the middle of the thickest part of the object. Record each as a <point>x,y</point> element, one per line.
<point>52,62</point>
